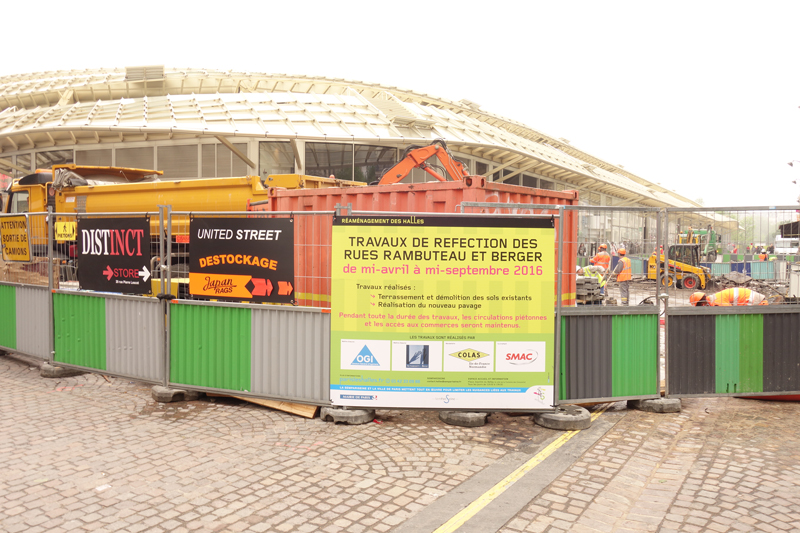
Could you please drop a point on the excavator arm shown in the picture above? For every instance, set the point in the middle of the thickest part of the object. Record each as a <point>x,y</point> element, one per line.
<point>416,157</point>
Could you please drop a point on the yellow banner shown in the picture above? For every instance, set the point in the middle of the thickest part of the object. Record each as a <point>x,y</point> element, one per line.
<point>14,235</point>
<point>222,285</point>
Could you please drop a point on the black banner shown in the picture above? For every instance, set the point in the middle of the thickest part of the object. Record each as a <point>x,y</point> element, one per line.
<point>114,254</point>
<point>242,259</point>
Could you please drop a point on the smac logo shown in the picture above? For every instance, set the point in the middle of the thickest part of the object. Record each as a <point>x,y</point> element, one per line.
<point>469,355</point>
<point>521,358</point>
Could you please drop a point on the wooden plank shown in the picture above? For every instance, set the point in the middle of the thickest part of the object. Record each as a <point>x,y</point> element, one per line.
<point>300,409</point>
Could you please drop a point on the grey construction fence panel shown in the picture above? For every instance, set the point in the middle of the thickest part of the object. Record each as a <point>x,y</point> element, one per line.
<point>594,366</point>
<point>782,352</point>
<point>135,337</point>
<point>711,348</point>
<point>291,354</point>
<point>691,361</point>
<point>587,355</point>
<point>33,324</point>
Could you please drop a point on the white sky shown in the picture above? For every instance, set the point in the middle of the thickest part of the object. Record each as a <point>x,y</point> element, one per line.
<point>701,97</point>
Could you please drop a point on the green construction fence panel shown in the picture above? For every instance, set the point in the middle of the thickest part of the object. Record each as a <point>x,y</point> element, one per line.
<point>210,346</point>
<point>79,330</point>
<point>8,317</point>
<point>751,355</point>
<point>634,355</point>
<point>739,353</point>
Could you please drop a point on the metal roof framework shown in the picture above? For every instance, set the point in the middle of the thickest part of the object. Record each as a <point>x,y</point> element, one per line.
<point>68,108</point>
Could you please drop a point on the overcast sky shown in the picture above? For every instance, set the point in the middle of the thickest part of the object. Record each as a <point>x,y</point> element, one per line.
<point>701,97</point>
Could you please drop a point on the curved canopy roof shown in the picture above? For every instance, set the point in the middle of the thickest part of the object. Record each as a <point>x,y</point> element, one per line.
<point>152,103</point>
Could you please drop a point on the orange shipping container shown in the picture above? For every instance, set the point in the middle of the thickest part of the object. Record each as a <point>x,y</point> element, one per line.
<point>313,233</point>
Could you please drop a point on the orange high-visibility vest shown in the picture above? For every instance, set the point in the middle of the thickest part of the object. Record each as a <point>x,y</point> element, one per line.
<point>601,259</point>
<point>736,296</point>
<point>625,274</point>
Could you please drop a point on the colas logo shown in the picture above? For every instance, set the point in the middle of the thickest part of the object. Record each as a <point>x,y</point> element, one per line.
<point>469,354</point>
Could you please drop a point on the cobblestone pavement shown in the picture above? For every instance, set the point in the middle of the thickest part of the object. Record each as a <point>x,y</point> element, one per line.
<point>94,454</point>
<point>91,453</point>
<point>722,464</point>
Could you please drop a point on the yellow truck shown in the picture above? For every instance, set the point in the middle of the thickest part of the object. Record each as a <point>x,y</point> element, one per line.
<point>74,189</point>
<point>91,189</point>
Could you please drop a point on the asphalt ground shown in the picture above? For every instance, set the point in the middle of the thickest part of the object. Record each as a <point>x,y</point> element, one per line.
<point>95,453</point>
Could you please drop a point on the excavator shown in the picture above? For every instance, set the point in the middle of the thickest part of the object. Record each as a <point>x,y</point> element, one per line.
<point>416,157</point>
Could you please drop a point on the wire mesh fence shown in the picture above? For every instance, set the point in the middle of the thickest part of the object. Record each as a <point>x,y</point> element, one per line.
<point>280,258</point>
<point>755,250</point>
<point>679,253</point>
<point>603,238</point>
<point>674,252</point>
<point>25,249</point>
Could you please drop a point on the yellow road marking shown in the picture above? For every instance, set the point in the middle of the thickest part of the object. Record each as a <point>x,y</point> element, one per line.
<point>487,497</point>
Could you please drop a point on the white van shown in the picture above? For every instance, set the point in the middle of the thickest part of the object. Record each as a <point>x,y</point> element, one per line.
<point>787,245</point>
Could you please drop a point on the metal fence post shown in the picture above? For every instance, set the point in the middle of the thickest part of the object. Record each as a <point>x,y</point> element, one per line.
<point>165,251</point>
<point>663,297</point>
<point>51,287</point>
<point>559,274</point>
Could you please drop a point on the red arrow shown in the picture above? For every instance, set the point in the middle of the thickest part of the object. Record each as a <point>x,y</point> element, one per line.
<point>284,288</point>
<point>108,272</point>
<point>259,287</point>
<point>269,288</point>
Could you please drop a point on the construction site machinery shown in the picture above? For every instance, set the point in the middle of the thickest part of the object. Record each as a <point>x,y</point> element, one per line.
<point>684,269</point>
<point>70,189</point>
<point>73,189</point>
<point>710,242</point>
<point>417,156</point>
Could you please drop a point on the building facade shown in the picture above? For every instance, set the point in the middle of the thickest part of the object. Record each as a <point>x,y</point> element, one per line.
<point>194,124</point>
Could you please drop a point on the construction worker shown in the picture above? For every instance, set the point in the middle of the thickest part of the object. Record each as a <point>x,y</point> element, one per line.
<point>623,272</point>
<point>594,271</point>
<point>729,297</point>
<point>602,259</point>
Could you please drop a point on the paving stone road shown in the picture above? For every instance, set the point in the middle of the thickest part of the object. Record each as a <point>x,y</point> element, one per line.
<point>95,453</point>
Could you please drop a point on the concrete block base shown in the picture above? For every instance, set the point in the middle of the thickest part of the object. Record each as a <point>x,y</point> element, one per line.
<point>352,417</point>
<point>565,418</point>
<point>463,418</point>
<point>50,371</point>
<point>165,395</point>
<point>659,405</point>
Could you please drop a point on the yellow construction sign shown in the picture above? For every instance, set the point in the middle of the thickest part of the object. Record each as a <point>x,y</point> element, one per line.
<point>14,234</point>
<point>66,231</point>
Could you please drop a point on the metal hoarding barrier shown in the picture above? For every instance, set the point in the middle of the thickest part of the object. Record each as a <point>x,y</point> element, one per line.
<point>734,346</point>
<point>731,351</point>
<point>601,350</point>
<point>609,354</point>
<point>33,337</point>
<point>270,351</point>
<point>118,335</point>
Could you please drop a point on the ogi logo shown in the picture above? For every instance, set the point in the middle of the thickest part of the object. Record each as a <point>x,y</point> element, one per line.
<point>521,358</point>
<point>365,358</point>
